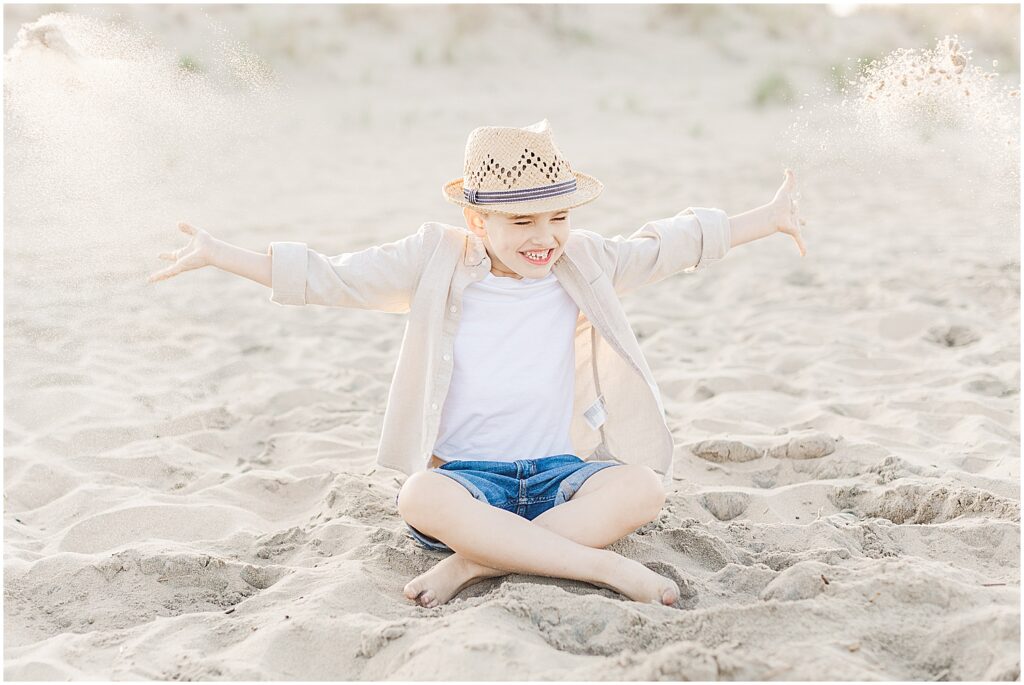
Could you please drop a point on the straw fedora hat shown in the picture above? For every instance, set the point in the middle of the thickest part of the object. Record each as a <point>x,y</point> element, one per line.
<point>514,171</point>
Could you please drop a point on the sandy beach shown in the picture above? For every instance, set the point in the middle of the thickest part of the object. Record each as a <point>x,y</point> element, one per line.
<point>190,486</point>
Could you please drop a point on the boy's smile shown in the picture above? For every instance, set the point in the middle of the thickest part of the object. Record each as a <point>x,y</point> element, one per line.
<point>522,246</point>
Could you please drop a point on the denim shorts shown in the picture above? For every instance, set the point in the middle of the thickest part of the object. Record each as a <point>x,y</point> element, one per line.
<point>527,487</point>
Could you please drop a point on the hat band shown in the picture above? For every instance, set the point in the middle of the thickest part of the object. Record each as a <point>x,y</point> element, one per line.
<point>479,197</point>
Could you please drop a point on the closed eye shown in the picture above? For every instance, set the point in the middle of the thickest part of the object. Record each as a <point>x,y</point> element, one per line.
<point>527,223</point>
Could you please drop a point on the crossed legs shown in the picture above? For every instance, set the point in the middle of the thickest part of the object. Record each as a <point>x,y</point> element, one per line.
<point>566,541</point>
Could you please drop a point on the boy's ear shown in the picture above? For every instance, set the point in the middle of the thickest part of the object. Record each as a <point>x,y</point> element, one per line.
<point>474,220</point>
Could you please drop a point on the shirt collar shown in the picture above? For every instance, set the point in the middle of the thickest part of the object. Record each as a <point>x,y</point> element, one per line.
<point>475,250</point>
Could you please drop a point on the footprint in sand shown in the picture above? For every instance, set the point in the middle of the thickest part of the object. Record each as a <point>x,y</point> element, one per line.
<point>721,451</point>
<point>275,544</point>
<point>700,546</point>
<point>135,586</point>
<point>808,446</point>
<point>804,580</point>
<point>917,503</point>
<point>991,386</point>
<point>952,336</point>
<point>725,506</point>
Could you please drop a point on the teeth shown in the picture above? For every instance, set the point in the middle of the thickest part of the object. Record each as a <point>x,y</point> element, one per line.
<point>537,255</point>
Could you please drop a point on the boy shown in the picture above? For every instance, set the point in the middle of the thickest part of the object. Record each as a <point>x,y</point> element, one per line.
<point>516,358</point>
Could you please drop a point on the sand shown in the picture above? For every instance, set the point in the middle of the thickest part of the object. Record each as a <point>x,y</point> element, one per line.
<point>190,489</point>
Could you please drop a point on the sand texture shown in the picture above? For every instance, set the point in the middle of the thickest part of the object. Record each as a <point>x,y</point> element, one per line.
<point>190,487</point>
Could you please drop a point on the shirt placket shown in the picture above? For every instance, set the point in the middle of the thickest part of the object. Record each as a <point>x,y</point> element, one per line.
<point>464,275</point>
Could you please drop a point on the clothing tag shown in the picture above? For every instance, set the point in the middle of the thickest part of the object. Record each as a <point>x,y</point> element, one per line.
<point>596,414</point>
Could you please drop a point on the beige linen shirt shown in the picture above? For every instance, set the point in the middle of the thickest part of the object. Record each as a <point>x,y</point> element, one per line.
<point>617,414</point>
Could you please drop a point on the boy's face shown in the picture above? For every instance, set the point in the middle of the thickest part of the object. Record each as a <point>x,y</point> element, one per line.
<point>508,238</point>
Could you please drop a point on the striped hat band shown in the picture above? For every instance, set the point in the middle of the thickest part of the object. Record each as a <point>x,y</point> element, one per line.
<point>479,197</point>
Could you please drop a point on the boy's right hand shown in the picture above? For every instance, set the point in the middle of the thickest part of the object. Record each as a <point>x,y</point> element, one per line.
<point>196,254</point>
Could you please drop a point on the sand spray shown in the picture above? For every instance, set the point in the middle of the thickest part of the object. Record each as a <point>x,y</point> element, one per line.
<point>108,136</point>
<point>920,124</point>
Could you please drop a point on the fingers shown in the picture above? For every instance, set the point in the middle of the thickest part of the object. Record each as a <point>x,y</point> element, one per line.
<point>800,244</point>
<point>800,221</point>
<point>794,205</point>
<point>172,256</point>
<point>790,179</point>
<point>164,274</point>
<point>176,255</point>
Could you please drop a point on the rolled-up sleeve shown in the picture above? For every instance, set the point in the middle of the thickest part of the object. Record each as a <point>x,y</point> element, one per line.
<point>381,277</point>
<point>716,236</point>
<point>288,273</point>
<point>693,239</point>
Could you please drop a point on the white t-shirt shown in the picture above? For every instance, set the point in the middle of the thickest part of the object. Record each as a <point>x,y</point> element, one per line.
<point>511,393</point>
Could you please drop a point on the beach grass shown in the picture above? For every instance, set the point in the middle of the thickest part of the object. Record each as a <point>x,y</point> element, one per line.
<point>774,88</point>
<point>190,64</point>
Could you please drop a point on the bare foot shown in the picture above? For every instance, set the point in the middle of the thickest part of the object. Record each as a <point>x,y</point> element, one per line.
<point>641,584</point>
<point>447,578</point>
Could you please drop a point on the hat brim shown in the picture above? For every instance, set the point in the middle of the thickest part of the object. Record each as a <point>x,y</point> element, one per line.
<point>587,189</point>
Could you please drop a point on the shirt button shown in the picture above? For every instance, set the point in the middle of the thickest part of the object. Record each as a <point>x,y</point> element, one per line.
<point>447,357</point>
<point>434,405</point>
<point>453,309</point>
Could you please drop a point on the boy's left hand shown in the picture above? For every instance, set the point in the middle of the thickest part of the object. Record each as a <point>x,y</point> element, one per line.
<point>787,212</point>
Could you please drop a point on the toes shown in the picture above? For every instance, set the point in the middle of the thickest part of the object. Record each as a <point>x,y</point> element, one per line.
<point>425,598</point>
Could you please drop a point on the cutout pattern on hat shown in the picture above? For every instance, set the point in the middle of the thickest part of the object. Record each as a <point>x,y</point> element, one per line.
<point>538,171</point>
<point>505,160</point>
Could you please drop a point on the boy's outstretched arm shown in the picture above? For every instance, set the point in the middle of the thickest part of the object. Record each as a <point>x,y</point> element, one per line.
<point>381,277</point>
<point>695,239</point>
